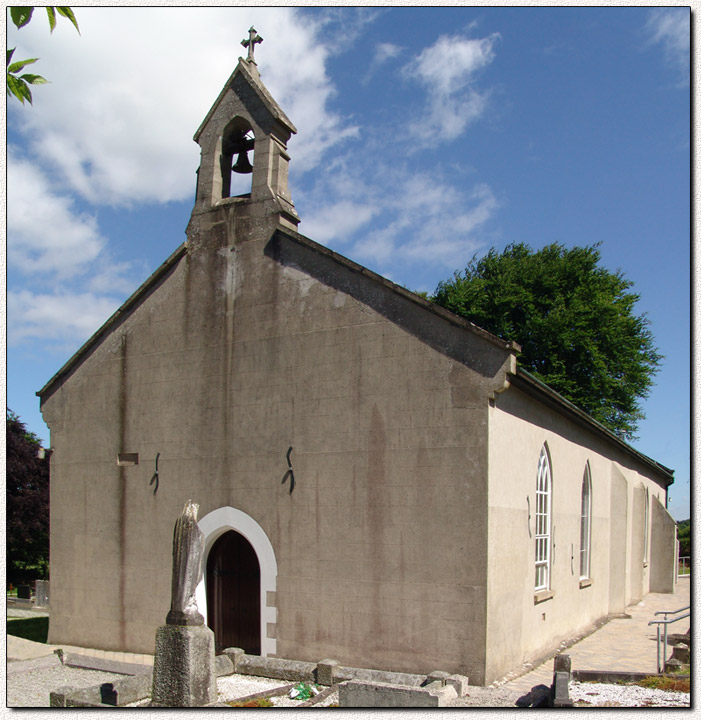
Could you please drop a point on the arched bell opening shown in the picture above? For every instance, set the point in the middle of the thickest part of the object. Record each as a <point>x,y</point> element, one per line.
<point>236,160</point>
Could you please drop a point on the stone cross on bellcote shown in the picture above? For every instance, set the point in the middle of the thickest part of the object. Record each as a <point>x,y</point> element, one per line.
<point>250,43</point>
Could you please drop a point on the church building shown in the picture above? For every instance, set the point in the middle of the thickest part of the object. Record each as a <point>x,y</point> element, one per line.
<point>379,481</point>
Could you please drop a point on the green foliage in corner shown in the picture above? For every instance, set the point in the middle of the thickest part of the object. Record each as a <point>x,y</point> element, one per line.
<point>27,504</point>
<point>684,537</point>
<point>18,84</point>
<point>575,322</point>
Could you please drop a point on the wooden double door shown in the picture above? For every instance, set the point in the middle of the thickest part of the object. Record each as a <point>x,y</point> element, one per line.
<point>233,593</point>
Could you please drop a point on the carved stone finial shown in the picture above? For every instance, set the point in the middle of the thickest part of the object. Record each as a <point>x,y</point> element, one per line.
<point>188,548</point>
<point>250,43</point>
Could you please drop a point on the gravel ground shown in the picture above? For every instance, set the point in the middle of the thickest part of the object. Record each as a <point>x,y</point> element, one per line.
<point>603,695</point>
<point>31,688</point>
<point>288,702</point>
<point>30,682</point>
<point>232,687</point>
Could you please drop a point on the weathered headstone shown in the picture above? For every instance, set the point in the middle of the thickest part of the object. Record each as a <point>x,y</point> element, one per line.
<point>562,667</point>
<point>681,653</point>
<point>184,668</point>
<point>42,593</point>
<point>326,672</point>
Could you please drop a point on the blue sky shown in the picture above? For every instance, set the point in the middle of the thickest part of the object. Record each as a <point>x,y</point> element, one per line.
<point>426,135</point>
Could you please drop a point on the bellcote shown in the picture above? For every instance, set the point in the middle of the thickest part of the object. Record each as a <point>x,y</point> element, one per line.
<point>245,118</point>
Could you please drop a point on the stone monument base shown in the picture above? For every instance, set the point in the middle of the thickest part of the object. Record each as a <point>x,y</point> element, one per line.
<point>183,668</point>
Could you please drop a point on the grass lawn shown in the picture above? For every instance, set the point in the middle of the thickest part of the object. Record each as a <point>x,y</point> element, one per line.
<point>36,629</point>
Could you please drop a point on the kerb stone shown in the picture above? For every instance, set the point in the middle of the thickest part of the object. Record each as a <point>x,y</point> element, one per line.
<point>223,665</point>
<point>184,667</point>
<point>57,697</point>
<point>326,672</point>
<point>234,654</point>
<point>437,676</point>
<point>459,682</point>
<point>279,668</point>
<point>354,693</point>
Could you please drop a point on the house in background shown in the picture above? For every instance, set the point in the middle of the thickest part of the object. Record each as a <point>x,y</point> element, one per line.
<point>378,480</point>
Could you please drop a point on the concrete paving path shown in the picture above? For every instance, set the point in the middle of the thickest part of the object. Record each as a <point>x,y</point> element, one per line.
<point>623,644</point>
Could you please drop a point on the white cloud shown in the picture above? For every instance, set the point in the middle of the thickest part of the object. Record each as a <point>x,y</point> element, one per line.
<point>383,53</point>
<point>671,28</point>
<point>436,224</point>
<point>66,317</point>
<point>336,222</point>
<point>451,62</point>
<point>342,26</point>
<point>107,276</point>
<point>447,70</point>
<point>126,96</point>
<point>114,127</point>
<point>51,244</point>
<point>50,241</point>
<point>44,233</point>
<point>386,51</point>
<point>418,219</point>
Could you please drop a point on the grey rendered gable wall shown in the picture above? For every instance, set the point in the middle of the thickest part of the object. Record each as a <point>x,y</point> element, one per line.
<point>248,348</point>
<point>428,324</point>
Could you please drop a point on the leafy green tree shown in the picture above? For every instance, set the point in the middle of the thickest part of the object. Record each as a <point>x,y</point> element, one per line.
<point>684,537</point>
<point>574,320</point>
<point>27,512</point>
<point>18,85</point>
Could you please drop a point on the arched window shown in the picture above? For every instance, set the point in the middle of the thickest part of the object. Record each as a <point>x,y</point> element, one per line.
<point>585,527</point>
<point>646,527</point>
<point>543,501</point>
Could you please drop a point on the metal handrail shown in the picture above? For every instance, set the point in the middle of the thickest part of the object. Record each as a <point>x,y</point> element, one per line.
<point>671,612</point>
<point>667,621</point>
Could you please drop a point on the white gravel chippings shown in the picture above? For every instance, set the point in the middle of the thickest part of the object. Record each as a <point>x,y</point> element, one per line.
<point>233,687</point>
<point>603,694</point>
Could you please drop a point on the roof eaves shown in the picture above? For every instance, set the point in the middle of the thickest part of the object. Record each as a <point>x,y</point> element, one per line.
<point>531,384</point>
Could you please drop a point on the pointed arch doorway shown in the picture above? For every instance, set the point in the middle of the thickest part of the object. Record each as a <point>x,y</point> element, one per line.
<point>233,593</point>
<point>215,525</point>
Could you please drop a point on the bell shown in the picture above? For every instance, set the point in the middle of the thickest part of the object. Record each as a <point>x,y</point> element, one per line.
<point>242,165</point>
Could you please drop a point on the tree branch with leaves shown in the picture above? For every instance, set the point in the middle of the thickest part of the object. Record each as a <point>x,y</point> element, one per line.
<point>18,84</point>
<point>575,321</point>
<point>27,503</point>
